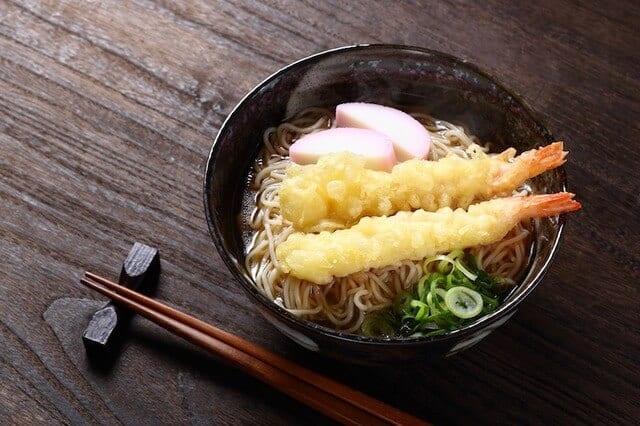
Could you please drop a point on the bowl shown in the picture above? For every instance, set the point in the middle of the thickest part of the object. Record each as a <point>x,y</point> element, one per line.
<point>452,89</point>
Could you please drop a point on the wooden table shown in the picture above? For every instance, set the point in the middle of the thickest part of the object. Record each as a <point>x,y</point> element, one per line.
<point>107,113</point>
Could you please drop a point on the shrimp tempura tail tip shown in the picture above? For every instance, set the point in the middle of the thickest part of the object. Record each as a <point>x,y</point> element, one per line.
<point>544,205</point>
<point>546,158</point>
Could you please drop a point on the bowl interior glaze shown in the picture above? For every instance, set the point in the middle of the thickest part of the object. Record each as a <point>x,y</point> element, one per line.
<point>450,89</point>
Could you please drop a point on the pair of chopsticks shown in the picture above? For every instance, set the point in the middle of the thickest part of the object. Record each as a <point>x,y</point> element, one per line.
<point>325,395</point>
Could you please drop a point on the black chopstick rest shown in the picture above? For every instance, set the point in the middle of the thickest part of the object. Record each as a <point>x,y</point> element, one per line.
<point>140,272</point>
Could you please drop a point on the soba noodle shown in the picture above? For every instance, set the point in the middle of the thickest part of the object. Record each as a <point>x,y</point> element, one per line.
<point>344,302</point>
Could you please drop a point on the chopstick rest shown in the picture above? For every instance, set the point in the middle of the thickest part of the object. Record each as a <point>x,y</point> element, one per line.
<point>140,272</point>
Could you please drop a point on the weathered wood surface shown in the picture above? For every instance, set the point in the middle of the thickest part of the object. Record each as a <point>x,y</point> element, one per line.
<point>107,112</point>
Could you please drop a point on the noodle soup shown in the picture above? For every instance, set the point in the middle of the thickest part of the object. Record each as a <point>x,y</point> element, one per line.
<point>347,302</point>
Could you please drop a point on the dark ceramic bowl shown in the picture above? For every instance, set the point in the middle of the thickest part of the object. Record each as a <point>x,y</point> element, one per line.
<point>450,89</point>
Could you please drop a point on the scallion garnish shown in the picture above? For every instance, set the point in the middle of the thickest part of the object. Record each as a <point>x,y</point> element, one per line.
<point>452,292</point>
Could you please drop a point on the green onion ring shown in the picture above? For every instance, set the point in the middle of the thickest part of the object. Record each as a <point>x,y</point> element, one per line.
<point>463,302</point>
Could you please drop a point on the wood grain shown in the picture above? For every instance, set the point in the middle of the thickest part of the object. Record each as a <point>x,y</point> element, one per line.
<point>107,112</point>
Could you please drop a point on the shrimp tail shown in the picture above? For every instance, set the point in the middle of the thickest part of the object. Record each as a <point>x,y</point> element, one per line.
<point>546,158</point>
<point>547,205</point>
<point>530,164</point>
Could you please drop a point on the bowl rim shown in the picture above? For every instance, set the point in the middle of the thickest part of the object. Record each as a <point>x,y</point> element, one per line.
<point>249,286</point>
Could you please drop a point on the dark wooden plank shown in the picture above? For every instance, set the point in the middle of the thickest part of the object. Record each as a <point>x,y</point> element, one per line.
<point>107,112</point>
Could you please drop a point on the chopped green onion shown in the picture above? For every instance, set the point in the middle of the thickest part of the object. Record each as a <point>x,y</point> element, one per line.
<point>422,311</point>
<point>463,302</point>
<point>441,292</point>
<point>438,257</point>
<point>442,300</point>
<point>459,253</point>
<point>421,286</point>
<point>465,271</point>
<point>432,303</point>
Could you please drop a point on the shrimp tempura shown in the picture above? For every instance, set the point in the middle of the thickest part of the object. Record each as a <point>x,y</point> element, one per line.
<point>376,242</point>
<point>339,190</point>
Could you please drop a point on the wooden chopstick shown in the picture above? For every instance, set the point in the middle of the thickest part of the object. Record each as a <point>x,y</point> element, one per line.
<point>319,392</point>
<point>337,389</point>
